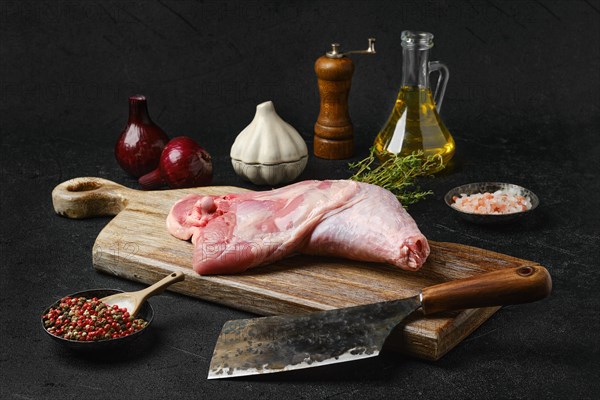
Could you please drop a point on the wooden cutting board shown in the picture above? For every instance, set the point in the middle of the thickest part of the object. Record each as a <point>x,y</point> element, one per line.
<point>136,245</point>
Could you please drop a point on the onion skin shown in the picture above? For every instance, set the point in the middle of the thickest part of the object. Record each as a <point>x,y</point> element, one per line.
<point>183,164</point>
<point>140,144</point>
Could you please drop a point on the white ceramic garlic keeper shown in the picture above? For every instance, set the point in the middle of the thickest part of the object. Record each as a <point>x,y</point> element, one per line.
<point>269,151</point>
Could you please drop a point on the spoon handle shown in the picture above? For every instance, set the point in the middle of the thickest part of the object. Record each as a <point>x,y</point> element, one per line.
<point>159,286</point>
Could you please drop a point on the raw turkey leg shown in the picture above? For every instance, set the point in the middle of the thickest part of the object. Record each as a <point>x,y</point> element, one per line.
<point>337,218</point>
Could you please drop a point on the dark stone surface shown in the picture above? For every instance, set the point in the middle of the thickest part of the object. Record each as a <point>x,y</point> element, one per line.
<point>522,103</point>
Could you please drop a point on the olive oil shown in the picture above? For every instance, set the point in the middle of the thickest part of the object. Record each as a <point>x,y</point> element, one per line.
<point>415,125</point>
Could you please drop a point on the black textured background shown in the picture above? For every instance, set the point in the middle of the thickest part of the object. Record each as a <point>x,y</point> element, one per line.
<point>522,103</point>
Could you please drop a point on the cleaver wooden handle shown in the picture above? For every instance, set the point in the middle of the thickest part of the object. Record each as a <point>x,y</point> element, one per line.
<point>90,197</point>
<point>497,288</point>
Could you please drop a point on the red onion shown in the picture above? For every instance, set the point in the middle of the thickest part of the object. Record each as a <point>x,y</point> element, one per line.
<point>183,164</point>
<point>141,142</point>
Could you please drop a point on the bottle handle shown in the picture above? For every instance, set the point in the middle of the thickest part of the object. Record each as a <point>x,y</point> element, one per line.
<point>440,88</point>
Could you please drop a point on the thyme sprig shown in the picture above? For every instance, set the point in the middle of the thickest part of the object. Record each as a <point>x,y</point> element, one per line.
<point>398,174</point>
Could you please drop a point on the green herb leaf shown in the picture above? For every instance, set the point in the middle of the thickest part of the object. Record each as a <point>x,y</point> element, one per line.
<point>398,174</point>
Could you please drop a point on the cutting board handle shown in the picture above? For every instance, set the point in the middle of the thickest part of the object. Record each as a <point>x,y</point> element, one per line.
<point>497,288</point>
<point>90,197</point>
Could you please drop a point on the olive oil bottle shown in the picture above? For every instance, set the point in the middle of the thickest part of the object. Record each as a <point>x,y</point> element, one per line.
<point>415,124</point>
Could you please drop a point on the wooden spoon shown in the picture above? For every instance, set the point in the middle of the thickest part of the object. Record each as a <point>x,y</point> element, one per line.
<point>132,301</point>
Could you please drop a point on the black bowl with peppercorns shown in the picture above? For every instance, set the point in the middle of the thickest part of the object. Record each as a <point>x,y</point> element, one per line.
<point>81,322</point>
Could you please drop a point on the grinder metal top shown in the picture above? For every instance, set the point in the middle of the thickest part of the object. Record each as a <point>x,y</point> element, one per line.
<point>336,53</point>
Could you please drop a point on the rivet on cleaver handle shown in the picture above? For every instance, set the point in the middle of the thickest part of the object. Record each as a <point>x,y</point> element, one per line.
<point>283,343</point>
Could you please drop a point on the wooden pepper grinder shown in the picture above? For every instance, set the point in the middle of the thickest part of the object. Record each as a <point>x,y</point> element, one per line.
<point>334,134</point>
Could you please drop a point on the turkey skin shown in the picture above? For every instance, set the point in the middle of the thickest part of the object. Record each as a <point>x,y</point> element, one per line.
<point>339,218</point>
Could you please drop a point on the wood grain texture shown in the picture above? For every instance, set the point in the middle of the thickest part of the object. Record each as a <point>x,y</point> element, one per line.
<point>135,245</point>
<point>505,286</point>
<point>334,133</point>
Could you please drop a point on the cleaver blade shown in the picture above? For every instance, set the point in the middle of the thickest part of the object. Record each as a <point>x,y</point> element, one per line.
<point>283,343</point>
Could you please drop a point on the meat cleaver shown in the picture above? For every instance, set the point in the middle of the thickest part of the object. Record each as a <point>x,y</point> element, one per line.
<point>283,343</point>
